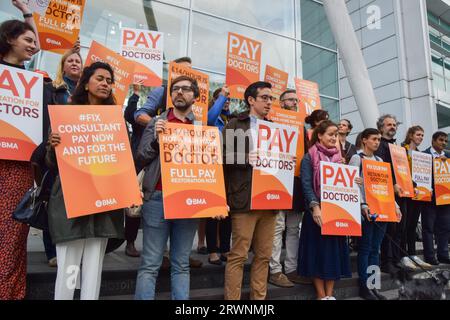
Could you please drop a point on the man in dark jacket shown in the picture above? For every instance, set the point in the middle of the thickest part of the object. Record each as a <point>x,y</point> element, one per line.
<point>249,227</point>
<point>348,150</point>
<point>436,219</point>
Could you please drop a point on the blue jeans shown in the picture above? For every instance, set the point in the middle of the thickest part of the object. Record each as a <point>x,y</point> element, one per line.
<point>369,247</point>
<point>156,231</point>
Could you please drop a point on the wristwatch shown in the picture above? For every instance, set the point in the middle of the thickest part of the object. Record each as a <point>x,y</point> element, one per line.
<point>28,15</point>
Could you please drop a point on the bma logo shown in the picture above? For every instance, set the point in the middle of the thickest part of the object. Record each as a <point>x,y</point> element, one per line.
<point>273,196</point>
<point>105,202</point>
<point>9,145</point>
<point>195,202</point>
<point>341,224</point>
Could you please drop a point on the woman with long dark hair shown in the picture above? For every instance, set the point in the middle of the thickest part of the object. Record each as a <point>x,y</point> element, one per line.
<point>325,259</point>
<point>82,240</point>
<point>18,44</point>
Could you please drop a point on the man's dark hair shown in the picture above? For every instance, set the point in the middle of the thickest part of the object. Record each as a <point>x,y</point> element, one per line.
<point>252,90</point>
<point>287,92</point>
<point>439,134</point>
<point>183,59</point>
<point>194,84</point>
<point>80,95</point>
<point>369,132</point>
<point>11,30</point>
<point>350,126</point>
<point>316,116</point>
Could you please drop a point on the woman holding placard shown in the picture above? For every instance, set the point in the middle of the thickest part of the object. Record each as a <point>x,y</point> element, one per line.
<point>83,238</point>
<point>325,259</point>
<point>18,43</point>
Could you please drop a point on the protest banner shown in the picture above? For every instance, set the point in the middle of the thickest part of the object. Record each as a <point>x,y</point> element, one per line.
<point>442,181</point>
<point>273,173</point>
<point>146,49</point>
<point>20,113</point>
<point>340,200</point>
<point>422,173</point>
<point>200,108</point>
<point>379,189</point>
<point>60,26</point>
<point>401,170</point>
<point>308,96</point>
<point>291,118</point>
<point>95,154</point>
<point>191,172</point>
<point>278,79</point>
<point>243,64</point>
<point>38,6</point>
<point>123,68</point>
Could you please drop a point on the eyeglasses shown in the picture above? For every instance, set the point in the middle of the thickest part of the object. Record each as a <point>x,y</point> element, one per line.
<point>184,89</point>
<point>266,98</point>
<point>291,100</point>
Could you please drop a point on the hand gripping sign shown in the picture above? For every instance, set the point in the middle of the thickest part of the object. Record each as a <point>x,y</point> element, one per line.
<point>442,181</point>
<point>340,200</point>
<point>379,189</point>
<point>422,173</point>
<point>401,170</point>
<point>192,172</point>
<point>94,159</point>
<point>20,113</point>
<point>145,48</point>
<point>243,64</point>
<point>60,26</point>
<point>273,173</point>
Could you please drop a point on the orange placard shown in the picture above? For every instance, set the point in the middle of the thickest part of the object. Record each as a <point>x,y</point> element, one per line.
<point>123,68</point>
<point>278,79</point>
<point>191,172</point>
<point>401,170</point>
<point>308,96</point>
<point>340,201</point>
<point>94,159</point>
<point>200,109</point>
<point>441,170</point>
<point>60,26</point>
<point>243,64</point>
<point>291,118</point>
<point>273,173</point>
<point>145,48</point>
<point>20,113</point>
<point>379,189</point>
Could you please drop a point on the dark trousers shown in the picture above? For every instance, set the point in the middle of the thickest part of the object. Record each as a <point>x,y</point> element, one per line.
<point>50,248</point>
<point>131,228</point>
<point>369,247</point>
<point>413,208</point>
<point>394,243</point>
<point>224,235</point>
<point>435,224</point>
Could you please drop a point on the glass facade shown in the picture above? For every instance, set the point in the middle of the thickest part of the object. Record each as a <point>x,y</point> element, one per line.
<point>295,35</point>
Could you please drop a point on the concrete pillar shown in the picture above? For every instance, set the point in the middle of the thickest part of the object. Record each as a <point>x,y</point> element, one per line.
<point>352,58</point>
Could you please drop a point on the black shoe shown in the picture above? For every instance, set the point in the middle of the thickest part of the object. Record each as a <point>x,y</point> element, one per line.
<point>202,250</point>
<point>390,269</point>
<point>366,294</point>
<point>433,261</point>
<point>224,258</point>
<point>444,260</point>
<point>377,294</point>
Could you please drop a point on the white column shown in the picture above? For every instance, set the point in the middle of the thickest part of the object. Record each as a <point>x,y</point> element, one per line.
<point>352,58</point>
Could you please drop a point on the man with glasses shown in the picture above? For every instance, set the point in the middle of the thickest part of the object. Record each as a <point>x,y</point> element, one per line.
<point>249,227</point>
<point>288,220</point>
<point>156,229</point>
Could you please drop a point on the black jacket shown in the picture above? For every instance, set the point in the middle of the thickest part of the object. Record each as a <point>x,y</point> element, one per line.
<point>385,154</point>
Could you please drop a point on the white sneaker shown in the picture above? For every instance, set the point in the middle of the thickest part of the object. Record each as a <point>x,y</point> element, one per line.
<point>422,263</point>
<point>325,298</point>
<point>331,298</point>
<point>408,264</point>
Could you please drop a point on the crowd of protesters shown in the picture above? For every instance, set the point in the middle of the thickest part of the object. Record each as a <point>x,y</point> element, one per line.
<point>311,258</point>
